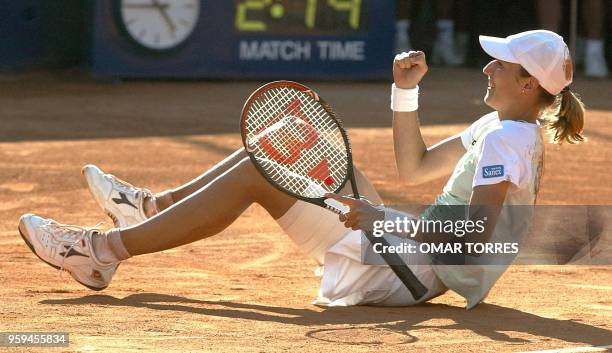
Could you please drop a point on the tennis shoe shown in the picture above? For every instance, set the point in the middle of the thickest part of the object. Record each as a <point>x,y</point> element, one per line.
<point>123,202</point>
<point>67,248</point>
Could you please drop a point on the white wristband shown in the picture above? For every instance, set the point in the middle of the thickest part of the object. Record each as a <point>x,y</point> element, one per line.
<point>404,100</point>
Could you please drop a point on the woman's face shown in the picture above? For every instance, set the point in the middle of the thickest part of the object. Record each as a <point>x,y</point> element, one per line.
<point>504,86</point>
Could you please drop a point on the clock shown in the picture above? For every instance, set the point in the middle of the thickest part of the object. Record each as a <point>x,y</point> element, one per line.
<point>158,25</point>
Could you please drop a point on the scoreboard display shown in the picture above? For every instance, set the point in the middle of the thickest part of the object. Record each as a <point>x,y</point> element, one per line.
<point>267,39</point>
<point>305,17</point>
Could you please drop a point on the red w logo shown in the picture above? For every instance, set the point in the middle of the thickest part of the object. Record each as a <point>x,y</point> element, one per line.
<point>292,146</point>
<point>321,172</point>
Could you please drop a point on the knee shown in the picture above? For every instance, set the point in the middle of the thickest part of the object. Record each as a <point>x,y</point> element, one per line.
<point>249,176</point>
<point>246,167</point>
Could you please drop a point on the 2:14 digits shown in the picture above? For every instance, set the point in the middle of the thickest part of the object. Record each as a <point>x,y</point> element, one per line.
<point>277,10</point>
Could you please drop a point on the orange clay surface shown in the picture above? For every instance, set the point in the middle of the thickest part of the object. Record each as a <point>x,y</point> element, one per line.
<point>248,289</point>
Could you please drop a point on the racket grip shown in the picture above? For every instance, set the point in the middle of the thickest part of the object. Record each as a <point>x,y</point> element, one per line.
<point>336,206</point>
<point>401,270</point>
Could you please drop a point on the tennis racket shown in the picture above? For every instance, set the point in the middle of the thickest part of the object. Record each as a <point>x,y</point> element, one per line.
<point>298,144</point>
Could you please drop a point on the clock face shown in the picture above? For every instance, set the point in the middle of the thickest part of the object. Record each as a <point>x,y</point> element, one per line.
<point>159,24</point>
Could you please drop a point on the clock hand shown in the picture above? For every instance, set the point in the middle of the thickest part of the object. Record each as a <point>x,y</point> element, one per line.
<point>168,20</point>
<point>162,9</point>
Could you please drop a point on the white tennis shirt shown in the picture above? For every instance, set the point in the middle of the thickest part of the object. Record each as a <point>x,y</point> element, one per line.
<point>496,151</point>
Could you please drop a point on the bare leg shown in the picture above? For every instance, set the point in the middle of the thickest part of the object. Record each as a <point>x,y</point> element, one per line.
<point>215,206</point>
<point>549,14</point>
<point>365,188</point>
<point>206,211</point>
<point>167,198</point>
<point>595,60</point>
<point>403,17</point>
<point>593,16</point>
<point>444,9</point>
<point>445,49</point>
<point>403,10</point>
<point>463,15</point>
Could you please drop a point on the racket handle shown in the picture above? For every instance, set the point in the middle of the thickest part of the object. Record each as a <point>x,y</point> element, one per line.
<point>395,262</point>
<point>401,270</point>
<point>336,206</point>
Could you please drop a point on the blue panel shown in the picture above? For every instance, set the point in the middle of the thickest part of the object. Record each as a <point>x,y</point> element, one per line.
<point>217,50</point>
<point>40,33</point>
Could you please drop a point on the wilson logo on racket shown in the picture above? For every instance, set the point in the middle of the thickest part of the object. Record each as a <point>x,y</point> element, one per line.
<point>321,172</point>
<point>290,131</point>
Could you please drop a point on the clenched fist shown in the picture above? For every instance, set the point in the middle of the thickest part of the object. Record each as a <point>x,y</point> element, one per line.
<point>409,69</point>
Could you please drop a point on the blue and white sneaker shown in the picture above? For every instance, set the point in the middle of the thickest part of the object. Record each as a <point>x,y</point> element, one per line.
<point>68,248</point>
<point>123,202</point>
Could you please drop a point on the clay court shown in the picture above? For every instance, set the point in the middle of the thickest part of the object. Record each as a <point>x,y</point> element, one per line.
<point>248,289</point>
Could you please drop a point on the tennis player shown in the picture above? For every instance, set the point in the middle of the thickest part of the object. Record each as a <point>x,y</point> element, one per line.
<point>496,161</point>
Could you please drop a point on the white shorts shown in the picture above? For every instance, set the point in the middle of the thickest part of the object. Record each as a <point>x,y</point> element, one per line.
<point>346,281</point>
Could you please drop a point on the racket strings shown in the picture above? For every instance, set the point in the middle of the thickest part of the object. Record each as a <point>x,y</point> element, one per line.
<point>318,167</point>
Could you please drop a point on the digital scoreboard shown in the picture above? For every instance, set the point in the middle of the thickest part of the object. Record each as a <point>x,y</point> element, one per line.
<point>305,17</point>
<point>267,39</point>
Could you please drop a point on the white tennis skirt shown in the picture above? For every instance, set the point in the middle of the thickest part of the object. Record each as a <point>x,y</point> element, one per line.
<point>345,281</point>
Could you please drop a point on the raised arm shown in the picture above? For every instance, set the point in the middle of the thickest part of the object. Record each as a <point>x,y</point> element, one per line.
<point>415,162</point>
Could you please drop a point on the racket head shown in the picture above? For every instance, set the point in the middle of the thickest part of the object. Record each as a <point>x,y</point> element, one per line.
<point>287,133</point>
<point>295,141</point>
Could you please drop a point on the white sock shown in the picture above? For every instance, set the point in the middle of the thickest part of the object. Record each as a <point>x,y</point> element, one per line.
<point>150,206</point>
<point>402,30</point>
<point>446,30</point>
<point>108,247</point>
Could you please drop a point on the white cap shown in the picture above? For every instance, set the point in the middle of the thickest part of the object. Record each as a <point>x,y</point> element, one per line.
<point>542,53</point>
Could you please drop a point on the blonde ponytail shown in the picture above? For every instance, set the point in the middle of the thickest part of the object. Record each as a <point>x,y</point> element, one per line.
<point>564,119</point>
<point>562,115</point>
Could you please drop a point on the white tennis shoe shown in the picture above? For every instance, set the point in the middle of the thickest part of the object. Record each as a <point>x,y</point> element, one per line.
<point>123,202</point>
<point>68,248</point>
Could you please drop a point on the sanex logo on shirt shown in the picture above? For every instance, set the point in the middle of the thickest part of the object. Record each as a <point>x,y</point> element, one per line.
<point>493,171</point>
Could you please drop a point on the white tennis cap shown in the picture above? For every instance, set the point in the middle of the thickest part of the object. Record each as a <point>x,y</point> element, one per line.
<point>542,53</point>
